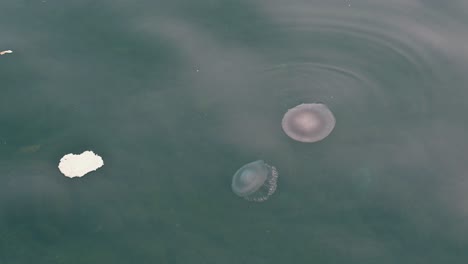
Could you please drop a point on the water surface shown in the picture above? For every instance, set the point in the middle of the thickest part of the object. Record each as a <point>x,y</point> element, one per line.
<point>176,95</point>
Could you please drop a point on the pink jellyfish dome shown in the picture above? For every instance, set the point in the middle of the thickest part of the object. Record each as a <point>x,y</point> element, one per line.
<point>308,122</point>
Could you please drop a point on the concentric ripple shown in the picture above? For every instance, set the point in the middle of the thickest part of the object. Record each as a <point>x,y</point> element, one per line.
<point>376,76</point>
<point>386,69</point>
<point>356,68</point>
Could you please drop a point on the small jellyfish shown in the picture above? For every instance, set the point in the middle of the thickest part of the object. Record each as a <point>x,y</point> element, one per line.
<point>255,181</point>
<point>308,122</point>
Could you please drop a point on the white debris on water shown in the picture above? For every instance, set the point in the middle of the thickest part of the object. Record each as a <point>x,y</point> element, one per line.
<point>73,165</point>
<point>5,52</point>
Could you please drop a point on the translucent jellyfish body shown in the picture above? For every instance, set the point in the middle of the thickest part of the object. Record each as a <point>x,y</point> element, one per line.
<point>308,122</point>
<point>255,181</point>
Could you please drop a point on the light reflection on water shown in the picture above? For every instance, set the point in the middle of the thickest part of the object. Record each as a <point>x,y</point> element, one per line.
<point>180,95</point>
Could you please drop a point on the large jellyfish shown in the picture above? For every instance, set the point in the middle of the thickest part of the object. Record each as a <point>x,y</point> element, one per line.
<point>255,181</point>
<point>308,122</point>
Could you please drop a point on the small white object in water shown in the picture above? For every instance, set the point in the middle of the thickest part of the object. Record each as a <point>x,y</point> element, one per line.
<point>5,52</point>
<point>72,165</point>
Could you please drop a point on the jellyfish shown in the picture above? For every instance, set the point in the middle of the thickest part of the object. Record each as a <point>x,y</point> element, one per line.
<point>255,181</point>
<point>308,122</point>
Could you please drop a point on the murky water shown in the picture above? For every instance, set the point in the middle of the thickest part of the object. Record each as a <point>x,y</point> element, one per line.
<point>176,96</point>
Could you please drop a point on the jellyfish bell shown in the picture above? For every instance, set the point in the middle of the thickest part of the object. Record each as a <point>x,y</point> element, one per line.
<point>308,122</point>
<point>255,181</point>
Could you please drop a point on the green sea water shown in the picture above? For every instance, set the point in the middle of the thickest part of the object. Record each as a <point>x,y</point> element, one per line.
<point>177,95</point>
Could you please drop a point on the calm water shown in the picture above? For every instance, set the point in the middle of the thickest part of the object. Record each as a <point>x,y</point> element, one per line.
<point>177,95</point>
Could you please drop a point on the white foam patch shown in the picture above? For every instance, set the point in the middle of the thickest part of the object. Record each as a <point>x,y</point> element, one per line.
<point>5,52</point>
<point>73,165</point>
